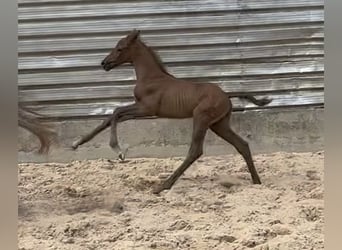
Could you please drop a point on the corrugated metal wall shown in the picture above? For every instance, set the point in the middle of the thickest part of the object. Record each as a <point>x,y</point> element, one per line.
<point>267,47</point>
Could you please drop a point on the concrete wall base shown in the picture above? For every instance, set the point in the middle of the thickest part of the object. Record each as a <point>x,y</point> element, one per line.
<point>290,130</point>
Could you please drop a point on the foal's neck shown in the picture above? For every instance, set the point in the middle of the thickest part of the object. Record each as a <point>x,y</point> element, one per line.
<point>146,64</point>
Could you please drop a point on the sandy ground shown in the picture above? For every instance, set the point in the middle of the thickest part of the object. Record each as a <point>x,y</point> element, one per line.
<point>105,204</point>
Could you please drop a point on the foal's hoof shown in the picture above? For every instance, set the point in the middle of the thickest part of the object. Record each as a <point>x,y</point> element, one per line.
<point>257,182</point>
<point>75,145</point>
<point>158,188</point>
<point>121,156</point>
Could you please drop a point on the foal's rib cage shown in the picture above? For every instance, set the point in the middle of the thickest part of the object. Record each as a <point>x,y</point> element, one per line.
<point>159,94</point>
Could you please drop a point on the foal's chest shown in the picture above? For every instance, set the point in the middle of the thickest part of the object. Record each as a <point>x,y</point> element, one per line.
<point>138,93</point>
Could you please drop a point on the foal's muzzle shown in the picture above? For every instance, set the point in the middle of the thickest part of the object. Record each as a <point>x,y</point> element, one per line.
<point>107,65</point>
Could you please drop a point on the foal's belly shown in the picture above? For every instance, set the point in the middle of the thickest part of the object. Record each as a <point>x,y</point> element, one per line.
<point>176,107</point>
<point>172,112</point>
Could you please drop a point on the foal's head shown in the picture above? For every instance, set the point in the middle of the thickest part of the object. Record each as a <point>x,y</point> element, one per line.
<point>121,53</point>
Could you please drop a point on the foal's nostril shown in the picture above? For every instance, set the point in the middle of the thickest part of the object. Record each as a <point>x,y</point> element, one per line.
<point>102,63</point>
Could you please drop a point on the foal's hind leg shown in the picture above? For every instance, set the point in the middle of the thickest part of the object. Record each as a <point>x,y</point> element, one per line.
<point>222,129</point>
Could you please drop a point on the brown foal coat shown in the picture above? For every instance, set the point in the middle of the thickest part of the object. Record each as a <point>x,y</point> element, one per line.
<point>159,94</point>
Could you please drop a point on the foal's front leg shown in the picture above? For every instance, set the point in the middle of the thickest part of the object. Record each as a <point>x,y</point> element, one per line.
<point>200,127</point>
<point>119,114</point>
<point>105,124</point>
<point>122,114</point>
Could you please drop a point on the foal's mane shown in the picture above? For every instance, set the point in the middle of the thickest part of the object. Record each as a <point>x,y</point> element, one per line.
<point>156,58</point>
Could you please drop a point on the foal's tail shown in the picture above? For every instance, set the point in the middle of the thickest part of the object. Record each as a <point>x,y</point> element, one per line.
<point>261,102</point>
<point>29,120</point>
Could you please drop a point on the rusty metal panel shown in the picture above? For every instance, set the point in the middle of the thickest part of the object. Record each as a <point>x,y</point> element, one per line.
<point>264,47</point>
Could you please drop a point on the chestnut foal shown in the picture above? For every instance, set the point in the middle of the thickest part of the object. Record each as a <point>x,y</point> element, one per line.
<point>159,94</point>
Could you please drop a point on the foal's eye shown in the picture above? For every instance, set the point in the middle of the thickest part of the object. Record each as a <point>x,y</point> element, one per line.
<point>119,50</point>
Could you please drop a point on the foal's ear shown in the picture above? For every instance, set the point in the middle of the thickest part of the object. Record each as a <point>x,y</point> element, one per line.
<point>132,36</point>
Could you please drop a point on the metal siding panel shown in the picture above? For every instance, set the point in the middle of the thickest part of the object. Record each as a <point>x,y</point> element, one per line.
<point>195,71</point>
<point>105,42</point>
<point>156,23</point>
<point>273,47</point>
<point>178,55</point>
<point>245,3</point>
<point>148,8</point>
